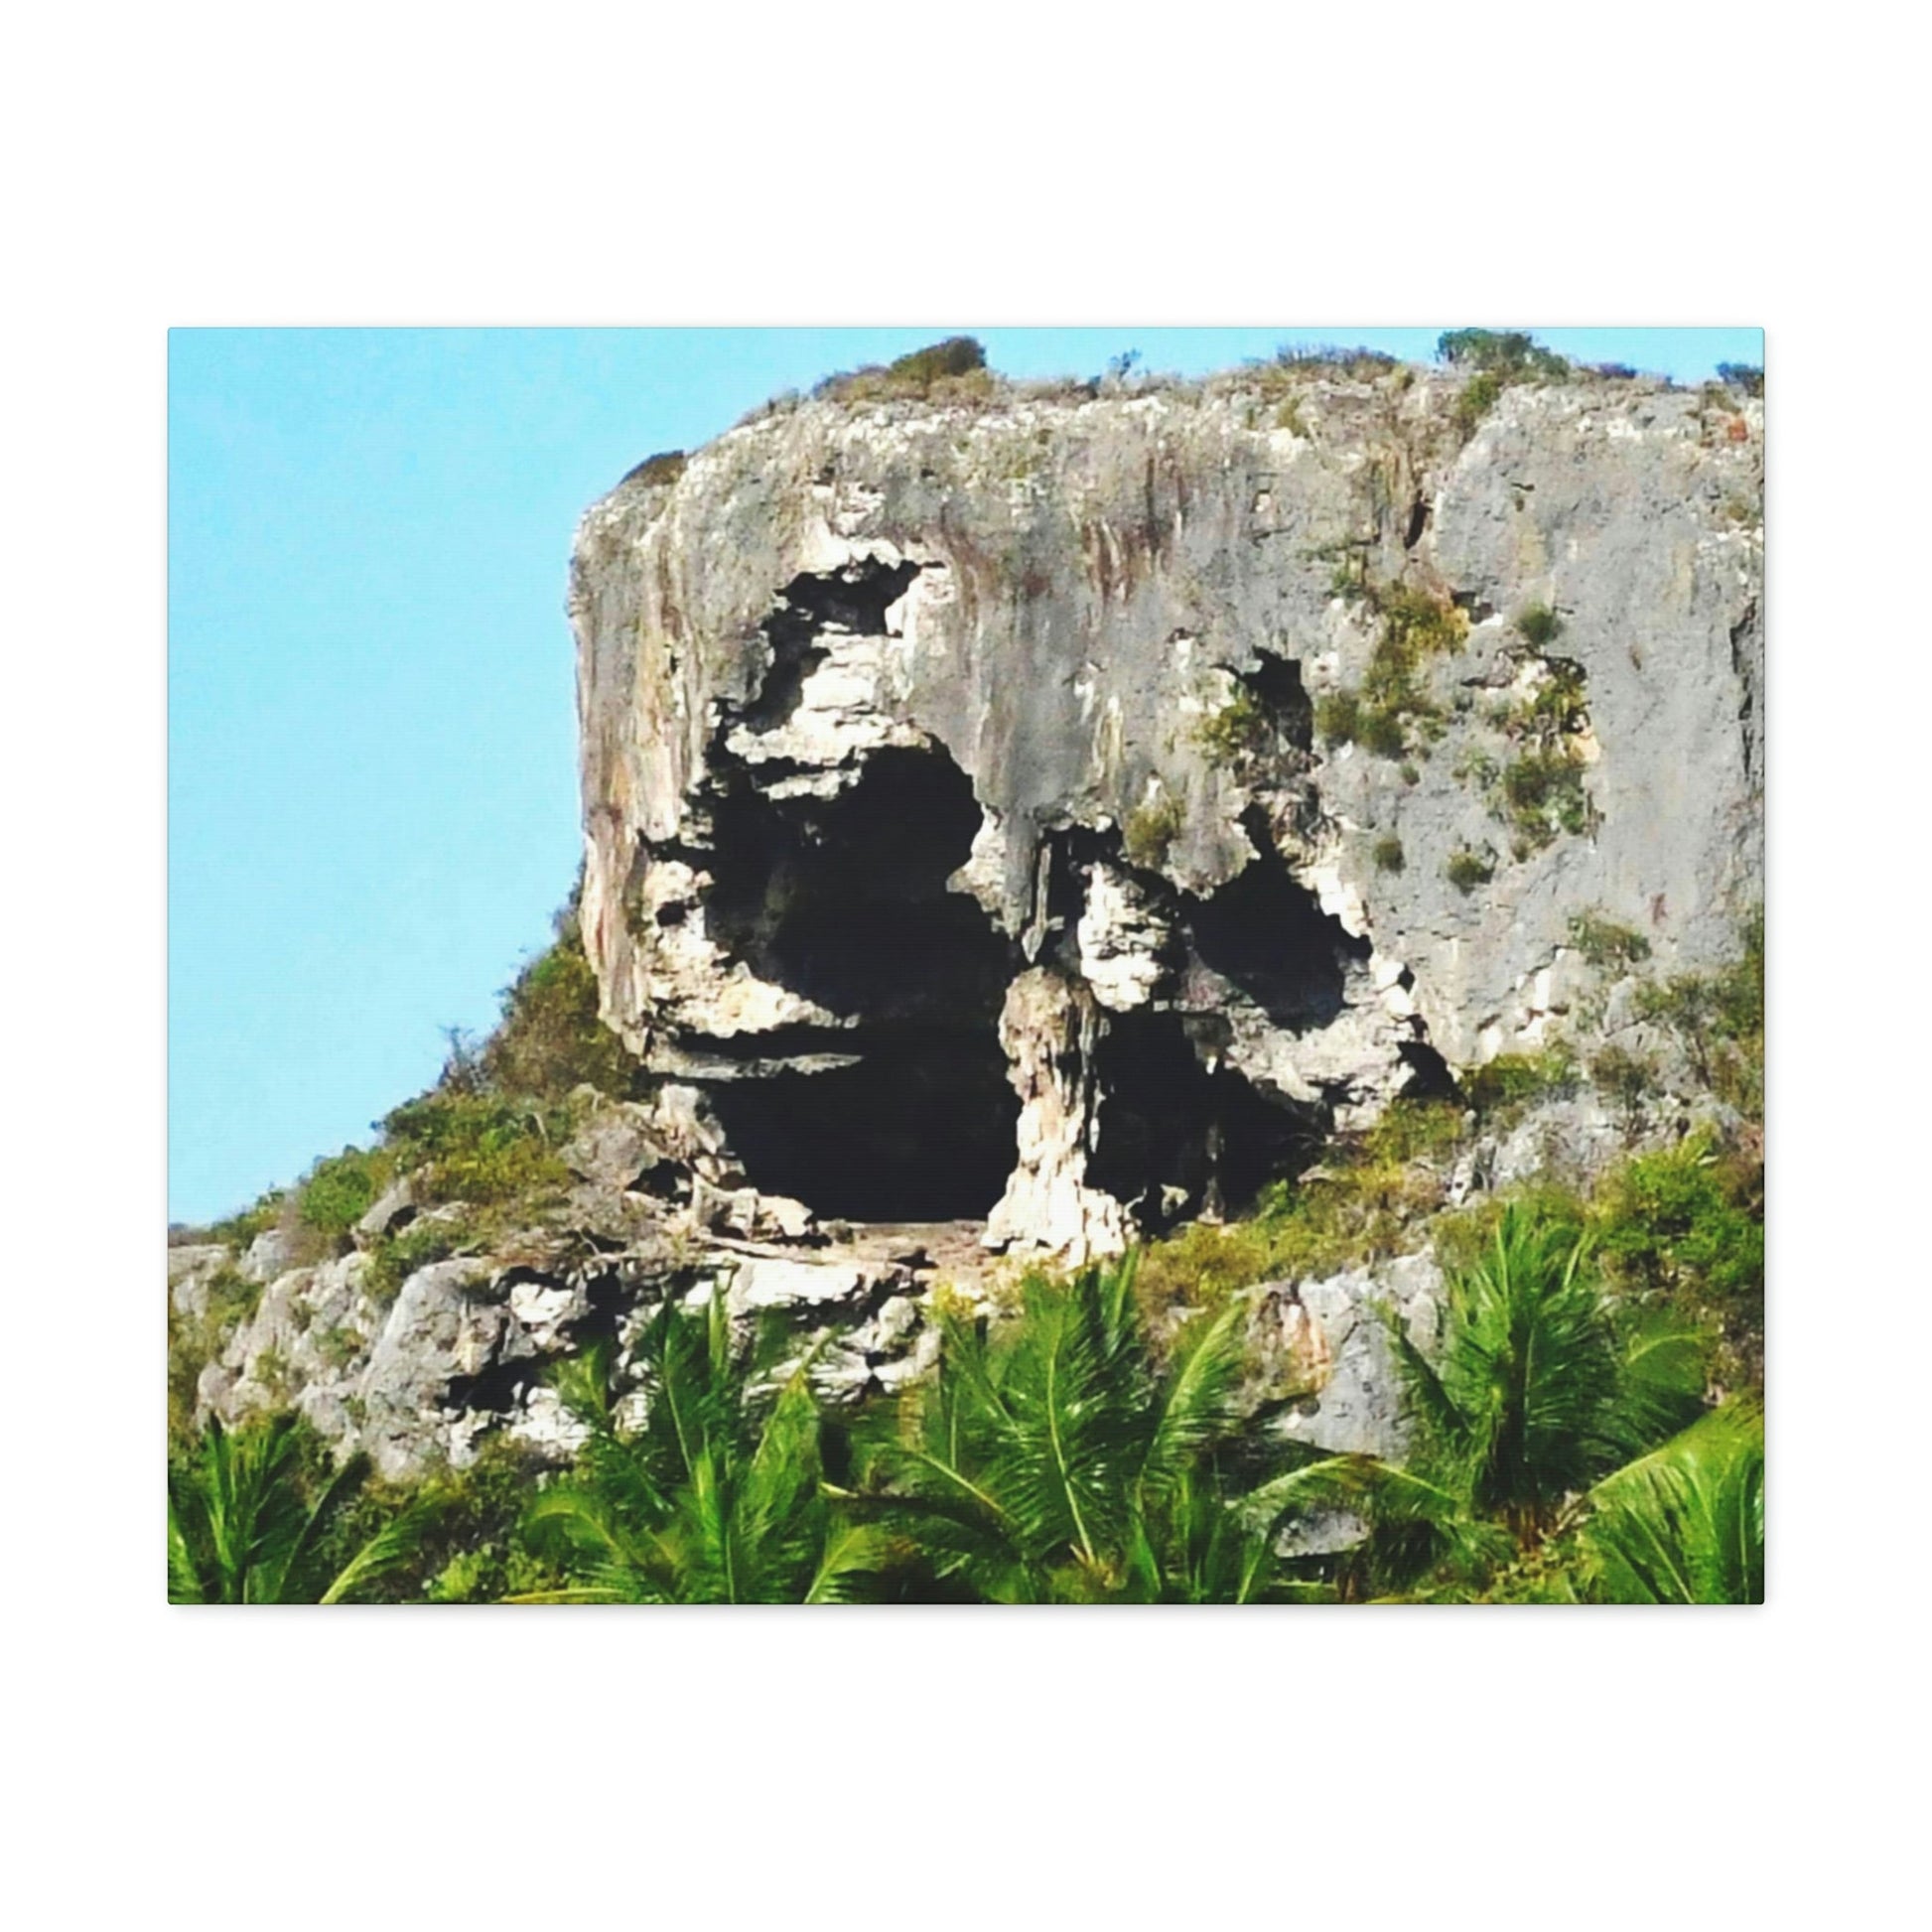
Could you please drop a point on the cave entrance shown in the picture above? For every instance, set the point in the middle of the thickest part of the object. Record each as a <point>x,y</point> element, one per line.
<point>844,900</point>
<point>920,1129</point>
<point>1180,1131</point>
<point>1266,933</point>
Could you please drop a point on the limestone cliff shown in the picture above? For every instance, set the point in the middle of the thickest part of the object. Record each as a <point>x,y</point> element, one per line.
<point>1062,807</point>
<point>1036,820</point>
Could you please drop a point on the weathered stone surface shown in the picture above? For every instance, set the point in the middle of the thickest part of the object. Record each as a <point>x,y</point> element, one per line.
<point>271,1253</point>
<point>391,1212</point>
<point>447,1327</point>
<point>762,1283</point>
<point>200,1259</point>
<point>190,1270</point>
<point>1049,1027</point>
<point>1027,626</point>
<point>1323,1348</point>
<point>618,1147</point>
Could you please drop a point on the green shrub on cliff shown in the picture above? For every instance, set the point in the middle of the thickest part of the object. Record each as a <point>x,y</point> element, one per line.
<point>340,1189</point>
<point>953,369</point>
<point>1150,831</point>
<point>480,1148</point>
<point>1495,359</point>
<point>550,1039</point>
<point>1391,713</point>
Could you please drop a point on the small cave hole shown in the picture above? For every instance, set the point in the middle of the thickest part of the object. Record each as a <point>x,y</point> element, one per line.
<point>1430,1077</point>
<point>1180,1135</point>
<point>1267,934</point>
<point>1276,687</point>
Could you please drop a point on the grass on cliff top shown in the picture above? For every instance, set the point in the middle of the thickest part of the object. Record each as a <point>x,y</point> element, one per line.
<point>1495,359</point>
<point>951,371</point>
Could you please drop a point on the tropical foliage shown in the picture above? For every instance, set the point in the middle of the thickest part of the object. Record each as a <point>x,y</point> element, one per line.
<point>708,1488</point>
<point>1560,1451</point>
<point>249,1523</point>
<point>1684,1524</point>
<point>1056,1459</point>
<point>1543,1387</point>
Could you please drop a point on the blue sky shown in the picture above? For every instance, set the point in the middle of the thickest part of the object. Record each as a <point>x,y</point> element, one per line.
<point>371,777</point>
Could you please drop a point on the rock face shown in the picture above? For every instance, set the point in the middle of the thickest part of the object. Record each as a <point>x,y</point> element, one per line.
<point>415,1373</point>
<point>957,819</point>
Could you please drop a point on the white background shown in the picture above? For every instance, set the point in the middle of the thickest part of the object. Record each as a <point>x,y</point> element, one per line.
<point>441,164</point>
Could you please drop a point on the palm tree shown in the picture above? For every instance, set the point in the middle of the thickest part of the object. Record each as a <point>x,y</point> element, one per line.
<point>1541,1387</point>
<point>1684,1524</point>
<point>244,1528</point>
<point>1052,1457</point>
<point>716,1497</point>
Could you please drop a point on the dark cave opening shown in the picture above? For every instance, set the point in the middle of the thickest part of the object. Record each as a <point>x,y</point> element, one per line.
<point>921,1129</point>
<point>844,901</point>
<point>1182,1132</point>
<point>1267,934</point>
<point>1276,686</point>
<point>1430,1077</point>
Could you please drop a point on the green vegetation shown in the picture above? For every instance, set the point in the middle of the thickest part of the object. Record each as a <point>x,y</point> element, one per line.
<point>1684,1524</point>
<point>1479,395</point>
<point>1746,377</point>
<point>394,1258</point>
<point>950,371</point>
<point>1501,1088</point>
<point>1543,1387</point>
<point>1719,1019</point>
<point>1239,732</point>
<point>1094,1446</point>
<point>1150,830</point>
<point>1059,1459</point>
<point>1543,794</point>
<point>1625,1078</point>
<point>341,1188</point>
<point>238,1230</point>
<point>1387,854</point>
<point>1468,869</point>
<point>1508,353</point>
<point>550,1039</point>
<point>1605,943</point>
<point>251,1519</point>
<point>1684,1228</point>
<point>716,1497</point>
<point>1358,365</point>
<point>229,1300</point>
<point>1495,359</point>
<point>1539,793</point>
<point>1358,1205</point>
<point>1391,714</point>
<point>479,1148</point>
<point>1539,625</point>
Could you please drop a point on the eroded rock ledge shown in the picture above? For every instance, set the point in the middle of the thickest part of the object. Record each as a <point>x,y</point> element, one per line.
<point>958,825</point>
